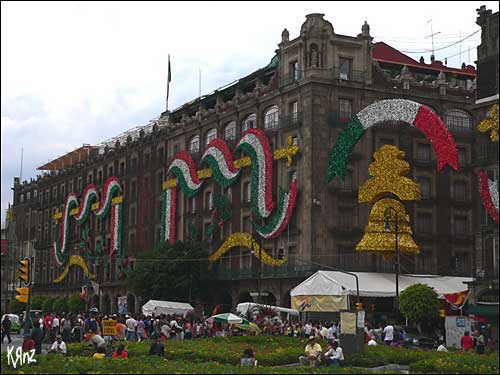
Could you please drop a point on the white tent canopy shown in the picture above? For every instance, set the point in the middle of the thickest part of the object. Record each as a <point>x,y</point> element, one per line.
<point>155,307</point>
<point>371,284</point>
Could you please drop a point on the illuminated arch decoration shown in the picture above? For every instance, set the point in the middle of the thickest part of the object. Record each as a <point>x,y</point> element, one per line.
<point>403,110</point>
<point>226,171</point>
<point>246,240</point>
<point>110,204</point>
<point>75,260</point>
<point>488,190</point>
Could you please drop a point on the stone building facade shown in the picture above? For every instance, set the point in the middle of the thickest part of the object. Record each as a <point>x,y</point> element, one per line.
<point>308,92</point>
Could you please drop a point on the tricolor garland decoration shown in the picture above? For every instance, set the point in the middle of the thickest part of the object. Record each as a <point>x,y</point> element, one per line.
<point>111,187</point>
<point>402,110</point>
<point>89,195</point>
<point>183,168</point>
<point>488,190</point>
<point>116,229</point>
<point>220,160</point>
<point>168,210</point>
<point>245,240</point>
<point>282,216</point>
<point>256,145</point>
<point>59,249</point>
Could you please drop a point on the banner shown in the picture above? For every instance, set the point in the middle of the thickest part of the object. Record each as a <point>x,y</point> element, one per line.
<point>348,323</point>
<point>122,305</point>
<point>455,326</point>
<point>319,303</point>
<point>457,300</point>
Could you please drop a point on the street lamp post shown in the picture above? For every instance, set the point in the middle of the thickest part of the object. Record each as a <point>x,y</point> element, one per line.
<point>387,216</point>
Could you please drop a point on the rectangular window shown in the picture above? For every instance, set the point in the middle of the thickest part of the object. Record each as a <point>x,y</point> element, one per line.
<point>110,171</point>
<point>99,177</point>
<point>294,69</point>
<point>460,191</point>
<point>461,224</point>
<point>80,184</point>
<point>122,168</point>
<point>294,109</point>
<point>208,200</point>
<point>423,152</point>
<point>134,164</point>
<point>133,189</point>
<point>247,224</point>
<point>247,192</point>
<point>345,109</point>
<point>463,265</point>
<point>424,222</point>
<point>425,187</point>
<point>462,156</point>
<point>344,68</point>
<point>346,217</point>
<point>54,192</point>
<point>132,216</point>
<point>192,205</point>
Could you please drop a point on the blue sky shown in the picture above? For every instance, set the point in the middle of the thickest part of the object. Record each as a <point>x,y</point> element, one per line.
<point>76,72</point>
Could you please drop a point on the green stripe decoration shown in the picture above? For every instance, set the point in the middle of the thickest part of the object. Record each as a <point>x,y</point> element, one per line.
<point>339,156</point>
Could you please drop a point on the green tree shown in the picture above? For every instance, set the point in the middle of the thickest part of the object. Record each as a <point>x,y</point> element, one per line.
<point>75,303</point>
<point>420,304</point>
<point>60,305</point>
<point>168,272</point>
<point>47,305</point>
<point>37,302</point>
<point>16,307</point>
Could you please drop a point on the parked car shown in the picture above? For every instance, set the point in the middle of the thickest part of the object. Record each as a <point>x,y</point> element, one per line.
<point>15,326</point>
<point>414,339</point>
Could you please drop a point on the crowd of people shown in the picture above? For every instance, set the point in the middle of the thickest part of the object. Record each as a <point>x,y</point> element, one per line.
<point>60,329</point>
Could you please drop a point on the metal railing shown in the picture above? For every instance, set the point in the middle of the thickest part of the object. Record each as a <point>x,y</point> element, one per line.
<point>291,77</point>
<point>486,153</point>
<point>337,118</point>
<point>291,120</point>
<point>352,76</point>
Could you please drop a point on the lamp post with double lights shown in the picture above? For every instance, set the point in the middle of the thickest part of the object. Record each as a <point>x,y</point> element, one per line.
<point>388,213</point>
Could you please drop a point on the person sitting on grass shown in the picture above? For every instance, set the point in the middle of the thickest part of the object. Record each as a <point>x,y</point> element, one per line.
<point>95,339</point>
<point>441,347</point>
<point>120,352</point>
<point>336,355</point>
<point>157,348</point>
<point>312,353</point>
<point>59,346</point>
<point>372,342</point>
<point>248,359</point>
<point>28,343</point>
<point>101,353</point>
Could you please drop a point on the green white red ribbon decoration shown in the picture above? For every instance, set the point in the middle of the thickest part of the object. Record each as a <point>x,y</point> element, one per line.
<point>402,110</point>
<point>89,195</point>
<point>111,187</point>
<point>183,168</point>
<point>282,216</point>
<point>488,190</point>
<point>256,145</point>
<point>220,160</point>
<point>59,250</point>
<point>116,229</point>
<point>168,210</point>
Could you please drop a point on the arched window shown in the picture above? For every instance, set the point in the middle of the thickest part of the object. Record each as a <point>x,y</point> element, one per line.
<point>249,122</point>
<point>194,144</point>
<point>230,131</point>
<point>271,118</point>
<point>211,134</point>
<point>458,119</point>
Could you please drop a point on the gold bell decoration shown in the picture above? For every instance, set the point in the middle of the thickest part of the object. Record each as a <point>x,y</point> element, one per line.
<point>388,177</point>
<point>381,239</point>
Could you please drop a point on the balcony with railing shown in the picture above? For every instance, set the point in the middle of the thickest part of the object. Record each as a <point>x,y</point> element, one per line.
<point>351,76</point>
<point>290,121</point>
<point>339,119</point>
<point>486,153</point>
<point>290,77</point>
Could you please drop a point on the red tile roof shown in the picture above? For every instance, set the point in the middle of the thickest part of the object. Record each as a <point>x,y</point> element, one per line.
<point>385,53</point>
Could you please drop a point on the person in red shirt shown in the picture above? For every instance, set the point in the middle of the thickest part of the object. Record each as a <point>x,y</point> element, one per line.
<point>28,343</point>
<point>466,342</point>
<point>120,352</point>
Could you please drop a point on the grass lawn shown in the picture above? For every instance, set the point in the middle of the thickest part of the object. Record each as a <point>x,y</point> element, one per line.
<point>221,355</point>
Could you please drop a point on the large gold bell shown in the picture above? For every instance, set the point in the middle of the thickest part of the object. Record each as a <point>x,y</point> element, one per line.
<point>380,238</point>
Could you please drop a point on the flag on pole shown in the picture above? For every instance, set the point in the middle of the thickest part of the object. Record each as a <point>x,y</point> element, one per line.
<point>169,78</point>
<point>95,287</point>
<point>457,300</point>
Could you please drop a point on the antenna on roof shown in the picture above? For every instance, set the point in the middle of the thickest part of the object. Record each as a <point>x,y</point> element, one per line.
<point>432,36</point>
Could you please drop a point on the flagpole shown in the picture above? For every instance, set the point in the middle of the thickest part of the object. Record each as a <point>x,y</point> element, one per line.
<point>169,78</point>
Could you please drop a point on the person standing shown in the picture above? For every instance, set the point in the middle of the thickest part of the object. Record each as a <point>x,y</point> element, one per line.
<point>37,336</point>
<point>6,326</point>
<point>480,342</point>
<point>141,329</point>
<point>131,324</point>
<point>66,328</point>
<point>388,334</point>
<point>466,342</point>
<point>54,327</point>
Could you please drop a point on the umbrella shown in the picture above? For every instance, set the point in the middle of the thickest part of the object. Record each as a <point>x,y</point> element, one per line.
<point>229,318</point>
<point>248,327</point>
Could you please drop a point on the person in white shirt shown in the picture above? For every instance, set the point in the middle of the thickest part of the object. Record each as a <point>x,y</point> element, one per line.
<point>324,332</point>
<point>335,355</point>
<point>372,342</point>
<point>131,325</point>
<point>332,331</point>
<point>59,346</point>
<point>307,329</point>
<point>441,347</point>
<point>388,334</point>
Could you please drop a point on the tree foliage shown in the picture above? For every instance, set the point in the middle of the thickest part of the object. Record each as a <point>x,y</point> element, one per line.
<point>37,302</point>
<point>75,303</point>
<point>16,307</point>
<point>60,305</point>
<point>419,303</point>
<point>168,272</point>
<point>47,305</point>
